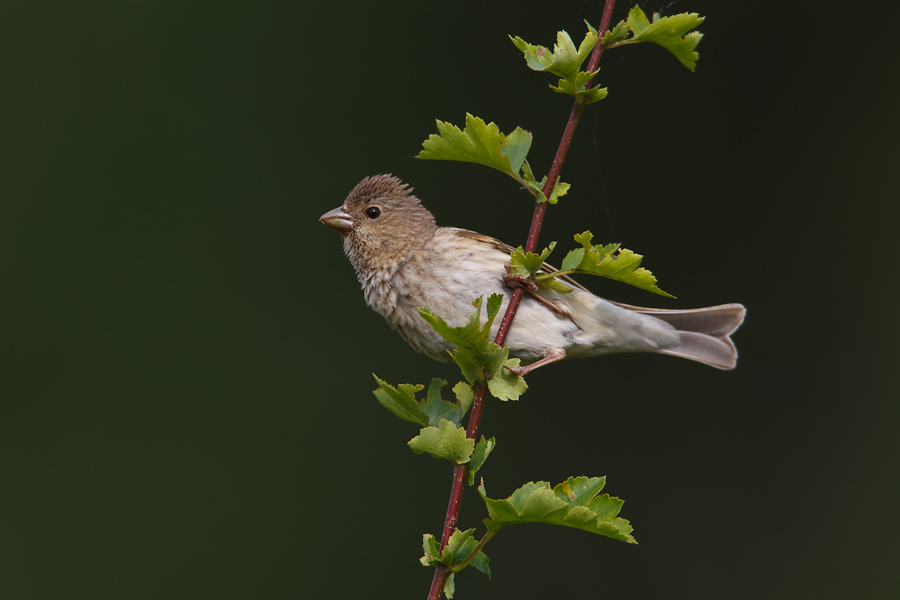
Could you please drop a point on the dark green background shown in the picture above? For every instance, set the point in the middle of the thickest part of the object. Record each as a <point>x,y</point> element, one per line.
<point>186,355</point>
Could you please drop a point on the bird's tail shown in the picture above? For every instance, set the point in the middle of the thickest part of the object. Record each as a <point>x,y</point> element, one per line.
<point>703,332</point>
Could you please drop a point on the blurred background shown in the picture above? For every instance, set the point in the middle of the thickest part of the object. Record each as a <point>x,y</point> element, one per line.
<point>187,358</point>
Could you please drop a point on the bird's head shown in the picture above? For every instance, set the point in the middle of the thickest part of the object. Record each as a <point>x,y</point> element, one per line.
<point>381,222</point>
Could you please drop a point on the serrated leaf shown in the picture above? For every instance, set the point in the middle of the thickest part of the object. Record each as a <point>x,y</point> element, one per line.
<point>505,385</point>
<point>526,263</point>
<point>479,143</point>
<point>432,549</point>
<point>482,563</point>
<point>446,441</point>
<point>436,408</point>
<point>578,87</point>
<point>471,335</point>
<point>573,503</point>
<point>493,358</point>
<point>619,33</point>
<point>564,61</point>
<point>459,547</point>
<point>594,94</point>
<point>515,148</point>
<point>537,187</point>
<point>401,400</point>
<point>474,353</point>
<point>493,307</point>
<point>669,32</point>
<point>465,395</point>
<point>559,190</point>
<point>606,507</point>
<point>580,491</point>
<point>468,364</point>
<point>482,450</point>
<point>450,586</point>
<point>608,261</point>
<point>637,20</point>
<point>573,259</point>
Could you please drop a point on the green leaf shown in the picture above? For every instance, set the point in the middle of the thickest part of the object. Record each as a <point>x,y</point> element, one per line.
<point>619,33</point>
<point>432,548</point>
<point>637,21</point>
<point>515,148</point>
<point>482,563</point>
<point>537,187</point>
<point>609,261</point>
<point>471,335</point>
<point>468,364</point>
<point>459,547</point>
<point>493,358</point>
<point>465,395</point>
<point>475,354</point>
<point>401,401</point>
<point>479,143</point>
<point>482,450</point>
<point>493,307</point>
<point>565,61</point>
<point>505,385</point>
<point>669,32</point>
<point>436,408</point>
<point>450,586</point>
<point>579,491</point>
<point>573,258</point>
<point>556,285</point>
<point>527,263</point>
<point>573,503</point>
<point>559,190</point>
<point>578,87</point>
<point>446,441</point>
<point>457,554</point>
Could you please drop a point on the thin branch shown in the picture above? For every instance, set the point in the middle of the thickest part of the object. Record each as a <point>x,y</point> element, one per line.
<point>441,572</point>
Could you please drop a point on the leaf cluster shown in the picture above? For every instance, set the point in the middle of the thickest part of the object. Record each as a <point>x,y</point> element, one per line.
<point>565,62</point>
<point>575,503</point>
<point>431,409</point>
<point>461,551</point>
<point>478,358</point>
<point>669,32</point>
<point>609,260</point>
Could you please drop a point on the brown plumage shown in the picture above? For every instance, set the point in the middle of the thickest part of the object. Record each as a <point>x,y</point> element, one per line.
<point>405,261</point>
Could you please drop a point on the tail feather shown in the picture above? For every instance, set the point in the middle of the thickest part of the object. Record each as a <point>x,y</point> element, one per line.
<point>703,332</point>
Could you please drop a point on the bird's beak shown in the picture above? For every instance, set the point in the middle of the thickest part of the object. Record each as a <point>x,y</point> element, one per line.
<point>338,219</point>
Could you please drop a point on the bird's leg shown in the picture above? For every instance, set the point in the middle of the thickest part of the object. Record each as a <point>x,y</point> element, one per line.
<point>552,355</point>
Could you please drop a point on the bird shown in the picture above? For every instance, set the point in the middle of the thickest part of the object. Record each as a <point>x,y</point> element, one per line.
<point>405,261</point>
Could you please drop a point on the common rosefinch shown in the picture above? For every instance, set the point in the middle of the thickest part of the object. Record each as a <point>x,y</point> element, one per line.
<point>405,261</point>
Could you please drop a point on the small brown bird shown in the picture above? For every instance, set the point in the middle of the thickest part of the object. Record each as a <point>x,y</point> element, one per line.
<point>405,261</point>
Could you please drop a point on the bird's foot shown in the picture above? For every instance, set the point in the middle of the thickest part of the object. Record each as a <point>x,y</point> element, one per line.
<point>515,281</point>
<point>553,355</point>
<point>531,288</point>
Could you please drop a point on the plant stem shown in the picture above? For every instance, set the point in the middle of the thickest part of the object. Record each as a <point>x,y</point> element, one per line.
<point>441,572</point>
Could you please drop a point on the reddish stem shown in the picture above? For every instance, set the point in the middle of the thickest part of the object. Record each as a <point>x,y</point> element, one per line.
<point>537,220</point>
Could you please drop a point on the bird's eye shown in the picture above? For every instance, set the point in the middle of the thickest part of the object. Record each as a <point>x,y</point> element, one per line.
<point>373,212</point>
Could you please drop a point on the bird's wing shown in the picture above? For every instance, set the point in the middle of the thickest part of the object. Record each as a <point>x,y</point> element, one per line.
<point>506,248</point>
